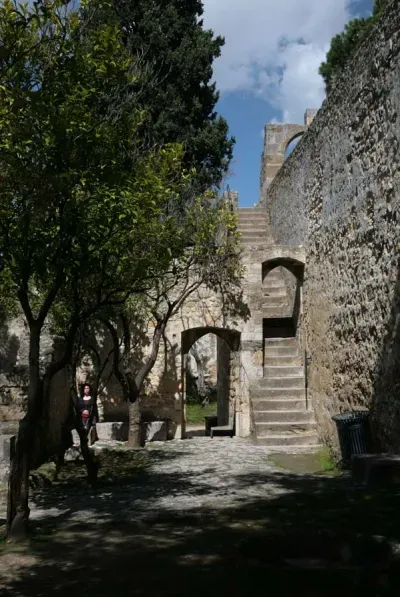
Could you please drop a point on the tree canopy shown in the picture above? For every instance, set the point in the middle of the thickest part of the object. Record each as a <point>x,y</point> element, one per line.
<point>344,45</point>
<point>178,55</point>
<point>106,183</point>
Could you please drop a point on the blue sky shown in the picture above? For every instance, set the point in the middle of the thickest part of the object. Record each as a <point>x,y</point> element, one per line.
<point>269,69</point>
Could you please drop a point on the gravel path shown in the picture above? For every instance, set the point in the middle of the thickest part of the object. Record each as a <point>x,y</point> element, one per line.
<point>182,476</point>
<point>206,517</point>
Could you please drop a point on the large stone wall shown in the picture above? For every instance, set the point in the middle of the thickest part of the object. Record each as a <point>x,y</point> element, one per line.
<point>339,195</point>
<point>14,380</point>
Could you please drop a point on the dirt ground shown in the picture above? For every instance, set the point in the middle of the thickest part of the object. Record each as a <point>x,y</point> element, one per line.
<point>205,517</point>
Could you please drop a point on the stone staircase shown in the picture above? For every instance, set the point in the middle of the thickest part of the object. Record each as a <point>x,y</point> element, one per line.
<point>276,303</point>
<point>282,418</point>
<point>253,227</point>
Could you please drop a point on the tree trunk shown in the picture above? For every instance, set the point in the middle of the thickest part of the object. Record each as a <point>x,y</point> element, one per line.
<point>135,435</point>
<point>18,486</point>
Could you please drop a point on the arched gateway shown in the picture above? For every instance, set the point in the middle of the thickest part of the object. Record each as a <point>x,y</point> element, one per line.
<point>228,370</point>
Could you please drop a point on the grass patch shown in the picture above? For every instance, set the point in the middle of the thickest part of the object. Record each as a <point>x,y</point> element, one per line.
<point>115,466</point>
<point>319,462</point>
<point>195,413</point>
<point>326,462</point>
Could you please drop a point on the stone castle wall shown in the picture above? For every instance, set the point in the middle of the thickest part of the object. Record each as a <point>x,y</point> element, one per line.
<point>14,380</point>
<point>162,396</point>
<point>339,195</point>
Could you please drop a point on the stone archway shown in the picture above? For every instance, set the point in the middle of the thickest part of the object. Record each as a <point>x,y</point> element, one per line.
<point>292,258</point>
<point>295,137</point>
<point>284,302</point>
<point>228,364</point>
<point>277,138</point>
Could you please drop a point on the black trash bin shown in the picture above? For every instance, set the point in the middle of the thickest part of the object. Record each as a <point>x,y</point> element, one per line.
<point>211,421</point>
<point>354,434</point>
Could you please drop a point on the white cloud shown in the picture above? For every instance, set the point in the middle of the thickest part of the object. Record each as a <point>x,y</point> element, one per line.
<point>274,48</point>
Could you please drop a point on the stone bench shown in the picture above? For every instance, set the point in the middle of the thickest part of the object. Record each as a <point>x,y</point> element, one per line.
<point>222,431</point>
<point>376,469</point>
<point>154,431</point>
<point>151,431</point>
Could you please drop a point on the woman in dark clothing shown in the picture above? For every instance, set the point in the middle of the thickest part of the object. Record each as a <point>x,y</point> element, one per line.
<point>87,406</point>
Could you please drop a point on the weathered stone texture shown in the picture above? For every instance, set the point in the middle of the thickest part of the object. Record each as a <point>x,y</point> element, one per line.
<point>339,195</point>
<point>277,139</point>
<point>13,369</point>
<point>14,380</point>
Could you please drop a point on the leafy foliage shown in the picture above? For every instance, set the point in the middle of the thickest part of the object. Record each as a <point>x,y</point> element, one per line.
<point>345,44</point>
<point>80,198</point>
<point>177,54</point>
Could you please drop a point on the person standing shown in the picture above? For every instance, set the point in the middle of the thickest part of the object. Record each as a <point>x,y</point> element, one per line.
<point>87,406</point>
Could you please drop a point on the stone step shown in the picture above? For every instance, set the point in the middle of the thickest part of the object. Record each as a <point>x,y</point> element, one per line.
<point>249,225</point>
<point>284,349</point>
<point>281,341</point>
<point>288,449</point>
<point>271,404</point>
<point>305,438</point>
<point>282,361</point>
<point>285,427</point>
<point>260,233</point>
<point>256,241</point>
<point>276,301</point>
<point>252,217</point>
<point>253,233</point>
<point>281,393</point>
<point>248,234</point>
<point>284,416</point>
<point>284,371</point>
<point>276,312</point>
<point>270,283</point>
<point>256,209</point>
<point>282,382</point>
<point>274,291</point>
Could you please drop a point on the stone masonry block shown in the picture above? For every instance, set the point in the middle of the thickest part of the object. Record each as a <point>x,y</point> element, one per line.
<point>7,448</point>
<point>155,431</point>
<point>112,431</point>
<point>376,469</point>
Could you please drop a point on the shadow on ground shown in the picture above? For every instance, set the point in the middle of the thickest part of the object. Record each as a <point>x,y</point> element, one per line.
<point>314,536</point>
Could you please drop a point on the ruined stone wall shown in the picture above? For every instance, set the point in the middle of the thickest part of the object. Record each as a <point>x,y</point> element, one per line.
<point>162,397</point>
<point>14,381</point>
<point>339,195</point>
<point>13,370</point>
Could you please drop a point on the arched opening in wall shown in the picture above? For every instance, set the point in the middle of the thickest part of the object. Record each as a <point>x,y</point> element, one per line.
<point>209,357</point>
<point>292,144</point>
<point>282,280</point>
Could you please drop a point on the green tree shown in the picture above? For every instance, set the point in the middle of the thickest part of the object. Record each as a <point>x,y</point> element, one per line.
<point>211,258</point>
<point>80,195</point>
<point>178,54</point>
<point>344,45</point>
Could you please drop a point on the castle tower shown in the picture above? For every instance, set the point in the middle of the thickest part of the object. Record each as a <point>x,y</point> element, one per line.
<point>277,137</point>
